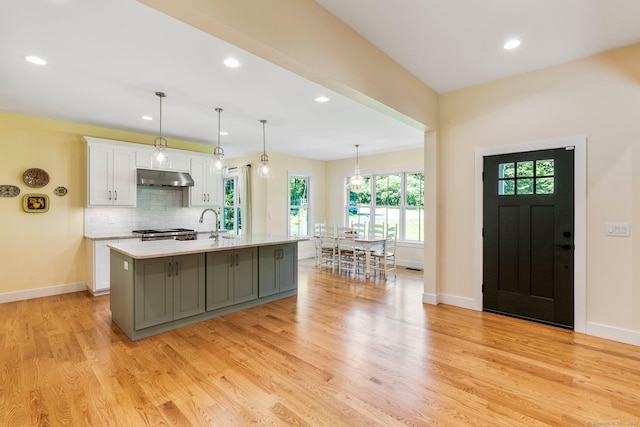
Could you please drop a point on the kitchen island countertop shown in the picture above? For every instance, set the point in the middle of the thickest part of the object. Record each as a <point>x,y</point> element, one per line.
<point>162,248</point>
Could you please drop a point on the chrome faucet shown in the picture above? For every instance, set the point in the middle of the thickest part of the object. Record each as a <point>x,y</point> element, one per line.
<point>214,232</point>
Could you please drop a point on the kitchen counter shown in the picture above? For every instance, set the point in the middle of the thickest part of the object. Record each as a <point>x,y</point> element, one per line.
<point>111,235</point>
<point>160,285</point>
<point>164,248</point>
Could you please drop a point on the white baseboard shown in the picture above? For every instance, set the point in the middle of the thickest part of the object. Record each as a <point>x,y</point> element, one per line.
<point>42,292</point>
<point>613,333</point>
<point>454,300</point>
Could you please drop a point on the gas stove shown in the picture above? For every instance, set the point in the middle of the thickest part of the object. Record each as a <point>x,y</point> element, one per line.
<point>167,234</point>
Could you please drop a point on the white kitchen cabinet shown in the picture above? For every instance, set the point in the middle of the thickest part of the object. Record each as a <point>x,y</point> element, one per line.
<point>178,162</point>
<point>111,175</point>
<point>98,254</point>
<point>207,187</point>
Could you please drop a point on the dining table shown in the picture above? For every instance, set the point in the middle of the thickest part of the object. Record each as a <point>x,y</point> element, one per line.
<point>366,243</point>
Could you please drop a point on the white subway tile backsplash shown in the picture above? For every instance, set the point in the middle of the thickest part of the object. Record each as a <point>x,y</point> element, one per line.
<point>156,207</point>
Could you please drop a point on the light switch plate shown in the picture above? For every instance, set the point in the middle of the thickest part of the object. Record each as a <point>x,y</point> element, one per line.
<point>618,229</point>
<point>126,265</point>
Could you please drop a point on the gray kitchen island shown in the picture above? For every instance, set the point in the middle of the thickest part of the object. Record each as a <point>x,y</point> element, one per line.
<point>162,285</point>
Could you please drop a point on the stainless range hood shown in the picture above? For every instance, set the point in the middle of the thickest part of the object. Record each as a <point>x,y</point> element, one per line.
<point>156,178</point>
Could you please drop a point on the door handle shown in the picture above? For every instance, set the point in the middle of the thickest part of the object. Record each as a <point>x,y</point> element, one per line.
<point>109,194</point>
<point>566,246</point>
<point>177,267</point>
<point>230,260</point>
<point>237,256</point>
<point>116,194</point>
<point>169,269</point>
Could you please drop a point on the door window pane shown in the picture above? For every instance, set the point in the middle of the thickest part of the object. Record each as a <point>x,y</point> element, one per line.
<point>525,186</point>
<point>525,169</point>
<point>545,168</point>
<point>298,206</point>
<point>507,187</point>
<point>506,170</point>
<point>544,185</point>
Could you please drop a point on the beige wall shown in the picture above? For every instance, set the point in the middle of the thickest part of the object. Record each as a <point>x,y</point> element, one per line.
<point>598,97</point>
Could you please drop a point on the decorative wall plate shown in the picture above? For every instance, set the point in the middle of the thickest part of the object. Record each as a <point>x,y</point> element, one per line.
<point>60,191</point>
<point>35,177</point>
<point>35,202</point>
<point>9,191</point>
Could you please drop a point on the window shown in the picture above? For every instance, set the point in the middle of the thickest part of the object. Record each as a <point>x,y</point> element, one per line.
<point>526,178</point>
<point>298,206</point>
<point>231,209</point>
<point>395,199</point>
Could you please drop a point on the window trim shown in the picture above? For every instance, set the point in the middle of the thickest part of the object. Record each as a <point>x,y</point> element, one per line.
<point>403,202</point>
<point>308,206</point>
<point>235,176</point>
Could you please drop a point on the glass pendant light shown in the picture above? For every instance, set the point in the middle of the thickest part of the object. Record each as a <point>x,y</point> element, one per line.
<point>264,171</point>
<point>356,181</point>
<point>219,165</point>
<point>160,157</point>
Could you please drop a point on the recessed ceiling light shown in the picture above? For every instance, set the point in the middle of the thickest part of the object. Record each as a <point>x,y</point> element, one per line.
<point>232,62</point>
<point>322,99</point>
<point>148,118</point>
<point>36,60</point>
<point>512,44</point>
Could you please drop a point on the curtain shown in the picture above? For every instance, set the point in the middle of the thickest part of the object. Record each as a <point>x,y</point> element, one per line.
<point>245,200</point>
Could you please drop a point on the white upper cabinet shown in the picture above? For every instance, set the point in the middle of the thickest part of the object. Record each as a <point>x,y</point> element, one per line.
<point>207,188</point>
<point>112,175</point>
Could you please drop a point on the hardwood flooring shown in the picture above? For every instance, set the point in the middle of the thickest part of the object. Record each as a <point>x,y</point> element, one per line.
<point>342,353</point>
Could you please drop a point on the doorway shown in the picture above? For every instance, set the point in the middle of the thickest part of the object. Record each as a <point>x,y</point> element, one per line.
<point>528,230</point>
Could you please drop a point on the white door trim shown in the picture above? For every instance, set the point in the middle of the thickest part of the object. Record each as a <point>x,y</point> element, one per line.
<point>580,219</point>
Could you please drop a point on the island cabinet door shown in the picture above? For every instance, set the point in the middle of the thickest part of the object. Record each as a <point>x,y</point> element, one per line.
<point>219,279</point>
<point>153,292</point>
<point>245,275</point>
<point>188,285</point>
<point>268,282</point>
<point>288,267</point>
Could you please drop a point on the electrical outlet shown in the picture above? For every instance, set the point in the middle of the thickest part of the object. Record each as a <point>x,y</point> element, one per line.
<point>111,220</point>
<point>617,229</point>
<point>126,265</point>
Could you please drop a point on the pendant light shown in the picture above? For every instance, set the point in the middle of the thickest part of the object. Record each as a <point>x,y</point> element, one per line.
<point>264,171</point>
<point>160,157</point>
<point>218,152</point>
<point>356,182</point>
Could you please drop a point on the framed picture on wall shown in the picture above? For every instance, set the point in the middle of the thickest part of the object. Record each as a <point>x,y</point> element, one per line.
<point>35,203</point>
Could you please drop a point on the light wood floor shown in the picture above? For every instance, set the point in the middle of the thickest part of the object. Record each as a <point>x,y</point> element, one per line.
<point>341,353</point>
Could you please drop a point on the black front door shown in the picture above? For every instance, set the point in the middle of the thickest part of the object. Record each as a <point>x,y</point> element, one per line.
<point>528,235</point>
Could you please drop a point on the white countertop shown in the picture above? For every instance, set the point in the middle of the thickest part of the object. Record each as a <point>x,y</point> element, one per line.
<point>162,248</point>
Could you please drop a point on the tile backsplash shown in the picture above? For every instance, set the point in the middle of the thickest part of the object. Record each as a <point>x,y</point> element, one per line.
<point>156,207</point>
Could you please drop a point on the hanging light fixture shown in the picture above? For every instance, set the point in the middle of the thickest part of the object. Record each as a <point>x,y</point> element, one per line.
<point>218,152</point>
<point>356,182</point>
<point>264,171</point>
<point>160,157</point>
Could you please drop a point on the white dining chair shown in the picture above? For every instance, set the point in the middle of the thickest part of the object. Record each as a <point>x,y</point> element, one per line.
<point>384,260</point>
<point>347,250</point>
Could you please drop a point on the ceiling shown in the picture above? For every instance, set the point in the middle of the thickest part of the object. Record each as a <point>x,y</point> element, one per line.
<point>106,60</point>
